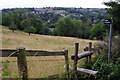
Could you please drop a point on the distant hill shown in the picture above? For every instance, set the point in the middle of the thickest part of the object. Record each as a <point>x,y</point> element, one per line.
<point>52,14</point>
<point>42,20</point>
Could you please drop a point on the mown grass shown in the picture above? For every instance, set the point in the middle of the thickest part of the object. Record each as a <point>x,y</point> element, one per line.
<point>37,69</point>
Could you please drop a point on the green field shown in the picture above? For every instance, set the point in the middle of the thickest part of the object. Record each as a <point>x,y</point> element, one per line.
<point>37,69</point>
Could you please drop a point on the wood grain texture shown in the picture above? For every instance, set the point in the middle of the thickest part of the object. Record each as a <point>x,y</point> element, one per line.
<point>87,71</point>
<point>82,55</point>
<point>7,52</point>
<point>22,63</point>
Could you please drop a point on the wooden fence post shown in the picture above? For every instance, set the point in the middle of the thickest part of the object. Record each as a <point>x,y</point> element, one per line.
<point>90,48</point>
<point>76,58</point>
<point>22,63</point>
<point>66,62</point>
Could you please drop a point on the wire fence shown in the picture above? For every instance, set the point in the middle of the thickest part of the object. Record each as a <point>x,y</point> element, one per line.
<point>38,66</point>
<point>34,60</point>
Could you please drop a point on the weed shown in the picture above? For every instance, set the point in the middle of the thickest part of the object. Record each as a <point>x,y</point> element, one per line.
<point>6,73</point>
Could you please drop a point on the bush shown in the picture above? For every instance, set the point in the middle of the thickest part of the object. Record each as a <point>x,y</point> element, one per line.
<point>111,71</point>
<point>100,62</point>
<point>104,47</point>
<point>107,72</point>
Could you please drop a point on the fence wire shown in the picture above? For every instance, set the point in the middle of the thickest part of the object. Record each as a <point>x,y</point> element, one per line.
<point>34,60</point>
<point>39,67</point>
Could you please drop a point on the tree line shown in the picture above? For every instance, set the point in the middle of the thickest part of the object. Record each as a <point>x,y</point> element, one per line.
<point>72,26</point>
<point>21,19</point>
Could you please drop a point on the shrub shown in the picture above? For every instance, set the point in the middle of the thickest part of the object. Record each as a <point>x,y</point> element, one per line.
<point>100,62</point>
<point>111,71</point>
<point>107,72</point>
<point>104,47</point>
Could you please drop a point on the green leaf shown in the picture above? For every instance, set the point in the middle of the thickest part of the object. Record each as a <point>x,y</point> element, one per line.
<point>14,75</point>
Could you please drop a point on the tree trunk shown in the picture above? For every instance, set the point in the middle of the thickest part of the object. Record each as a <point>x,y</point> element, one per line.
<point>29,34</point>
<point>13,30</point>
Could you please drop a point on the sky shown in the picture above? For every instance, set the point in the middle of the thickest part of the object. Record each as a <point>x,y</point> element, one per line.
<point>52,3</point>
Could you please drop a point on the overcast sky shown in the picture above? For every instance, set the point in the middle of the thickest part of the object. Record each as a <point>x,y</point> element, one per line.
<point>52,3</point>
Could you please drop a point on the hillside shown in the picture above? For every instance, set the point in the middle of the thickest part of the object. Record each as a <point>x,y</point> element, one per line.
<point>55,21</point>
<point>40,69</point>
<point>11,40</point>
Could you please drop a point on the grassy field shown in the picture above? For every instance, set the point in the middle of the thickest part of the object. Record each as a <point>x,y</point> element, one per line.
<point>36,69</point>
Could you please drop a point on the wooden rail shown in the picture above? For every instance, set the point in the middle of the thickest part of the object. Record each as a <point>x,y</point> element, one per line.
<point>8,52</point>
<point>82,55</point>
<point>79,56</point>
<point>87,71</point>
<point>21,54</point>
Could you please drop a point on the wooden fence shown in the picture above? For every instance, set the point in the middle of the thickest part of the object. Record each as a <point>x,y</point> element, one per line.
<point>87,54</point>
<point>21,54</point>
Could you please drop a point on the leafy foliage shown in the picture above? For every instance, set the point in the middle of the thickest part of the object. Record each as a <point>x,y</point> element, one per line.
<point>30,29</point>
<point>106,71</point>
<point>6,73</point>
<point>114,12</point>
<point>46,18</point>
<point>98,31</point>
<point>13,27</point>
<point>100,63</point>
<point>21,19</point>
<point>68,27</point>
<point>115,50</point>
<point>110,71</point>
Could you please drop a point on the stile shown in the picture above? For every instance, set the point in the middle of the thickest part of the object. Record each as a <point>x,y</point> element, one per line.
<point>88,52</point>
<point>90,48</point>
<point>76,58</point>
<point>22,63</point>
<point>87,71</point>
<point>82,55</point>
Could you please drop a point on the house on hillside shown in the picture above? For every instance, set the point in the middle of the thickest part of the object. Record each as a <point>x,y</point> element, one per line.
<point>42,10</point>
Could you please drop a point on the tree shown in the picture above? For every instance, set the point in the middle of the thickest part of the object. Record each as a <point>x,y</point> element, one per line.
<point>13,27</point>
<point>68,27</point>
<point>46,31</point>
<point>98,31</point>
<point>6,19</point>
<point>62,26</point>
<point>77,29</point>
<point>38,25</point>
<point>114,11</point>
<point>25,23</point>
<point>30,29</point>
<point>0,18</point>
<point>86,29</point>
<point>19,15</point>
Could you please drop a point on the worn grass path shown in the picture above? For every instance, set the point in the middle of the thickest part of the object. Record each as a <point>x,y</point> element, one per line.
<point>11,40</point>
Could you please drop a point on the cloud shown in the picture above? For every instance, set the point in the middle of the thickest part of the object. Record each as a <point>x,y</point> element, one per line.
<point>51,3</point>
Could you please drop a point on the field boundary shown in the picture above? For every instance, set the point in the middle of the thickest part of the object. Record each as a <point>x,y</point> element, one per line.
<point>21,54</point>
<point>77,56</point>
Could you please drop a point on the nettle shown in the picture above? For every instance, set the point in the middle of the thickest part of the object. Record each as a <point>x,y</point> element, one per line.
<point>6,73</point>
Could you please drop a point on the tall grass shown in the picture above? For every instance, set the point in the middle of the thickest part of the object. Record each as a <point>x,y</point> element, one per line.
<point>36,69</point>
